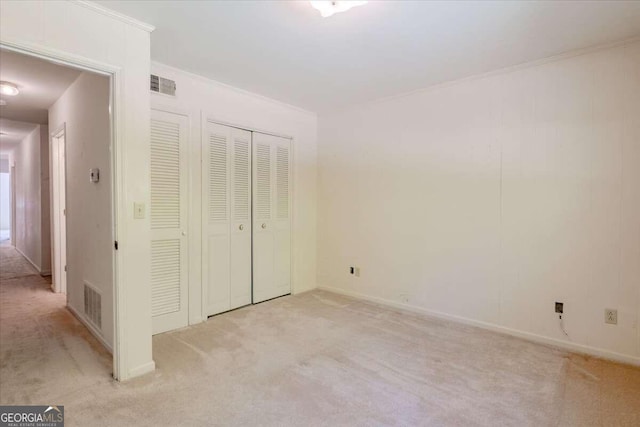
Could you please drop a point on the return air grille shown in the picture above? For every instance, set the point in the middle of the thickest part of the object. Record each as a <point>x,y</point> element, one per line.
<point>161,85</point>
<point>93,306</point>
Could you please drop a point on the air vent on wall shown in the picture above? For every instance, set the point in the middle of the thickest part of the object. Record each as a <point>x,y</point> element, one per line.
<point>162,85</point>
<point>93,305</point>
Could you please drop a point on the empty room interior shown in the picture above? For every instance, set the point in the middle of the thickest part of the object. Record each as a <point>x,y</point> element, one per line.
<point>340,213</point>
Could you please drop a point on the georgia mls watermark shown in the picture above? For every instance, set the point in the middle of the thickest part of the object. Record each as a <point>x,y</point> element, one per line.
<point>32,416</point>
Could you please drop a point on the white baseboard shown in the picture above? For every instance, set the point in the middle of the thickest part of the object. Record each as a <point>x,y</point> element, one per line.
<point>574,347</point>
<point>91,328</point>
<point>36,266</point>
<point>142,369</point>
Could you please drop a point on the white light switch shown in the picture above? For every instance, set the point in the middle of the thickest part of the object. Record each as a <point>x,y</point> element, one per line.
<point>138,210</point>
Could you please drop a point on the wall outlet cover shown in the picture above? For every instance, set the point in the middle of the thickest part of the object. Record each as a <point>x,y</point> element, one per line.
<point>610,316</point>
<point>559,307</point>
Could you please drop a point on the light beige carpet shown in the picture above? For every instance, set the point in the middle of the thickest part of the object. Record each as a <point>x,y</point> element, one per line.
<point>308,360</point>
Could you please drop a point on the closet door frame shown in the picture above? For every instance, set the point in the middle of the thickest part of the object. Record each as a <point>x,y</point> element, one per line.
<point>211,118</point>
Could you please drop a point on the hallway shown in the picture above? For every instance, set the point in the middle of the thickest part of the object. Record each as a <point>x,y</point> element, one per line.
<point>42,345</point>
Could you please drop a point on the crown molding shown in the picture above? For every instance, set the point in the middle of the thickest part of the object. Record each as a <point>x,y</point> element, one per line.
<point>116,15</point>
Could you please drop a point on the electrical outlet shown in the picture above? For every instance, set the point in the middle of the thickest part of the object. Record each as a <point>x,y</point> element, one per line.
<point>357,271</point>
<point>559,307</point>
<point>404,298</point>
<point>610,316</point>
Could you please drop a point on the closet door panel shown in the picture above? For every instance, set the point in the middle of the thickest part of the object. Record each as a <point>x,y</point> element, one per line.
<point>226,218</point>
<point>282,264</point>
<point>168,212</point>
<point>240,250</point>
<point>215,203</point>
<point>218,277</point>
<point>272,210</point>
<point>263,238</point>
<point>282,223</point>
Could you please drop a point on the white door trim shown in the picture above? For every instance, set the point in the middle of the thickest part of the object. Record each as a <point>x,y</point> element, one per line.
<point>117,166</point>
<point>12,200</point>
<point>59,282</point>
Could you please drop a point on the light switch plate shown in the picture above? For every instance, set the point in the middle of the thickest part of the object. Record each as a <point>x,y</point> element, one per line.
<point>138,210</point>
<point>94,175</point>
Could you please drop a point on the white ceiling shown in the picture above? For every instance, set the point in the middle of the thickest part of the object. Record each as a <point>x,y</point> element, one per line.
<point>12,133</point>
<point>40,82</point>
<point>286,51</point>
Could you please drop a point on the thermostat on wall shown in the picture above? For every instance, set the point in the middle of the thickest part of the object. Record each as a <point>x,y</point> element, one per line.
<point>94,175</point>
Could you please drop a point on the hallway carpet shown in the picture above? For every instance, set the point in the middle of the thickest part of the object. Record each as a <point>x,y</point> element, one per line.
<point>315,359</point>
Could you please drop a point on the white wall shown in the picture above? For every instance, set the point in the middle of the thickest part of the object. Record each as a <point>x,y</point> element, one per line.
<point>491,198</point>
<point>196,95</point>
<point>83,110</point>
<point>80,33</point>
<point>32,199</point>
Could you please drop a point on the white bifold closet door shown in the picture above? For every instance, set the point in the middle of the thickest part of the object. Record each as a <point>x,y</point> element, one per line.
<point>226,218</point>
<point>271,217</point>
<point>168,212</point>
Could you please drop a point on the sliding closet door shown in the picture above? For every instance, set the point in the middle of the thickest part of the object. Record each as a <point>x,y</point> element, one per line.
<point>169,287</point>
<point>226,216</point>
<point>271,217</point>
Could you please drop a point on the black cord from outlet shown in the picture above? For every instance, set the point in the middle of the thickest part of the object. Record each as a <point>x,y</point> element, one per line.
<point>562,326</point>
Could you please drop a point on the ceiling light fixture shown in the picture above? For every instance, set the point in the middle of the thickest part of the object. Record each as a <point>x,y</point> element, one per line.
<point>8,88</point>
<point>329,7</point>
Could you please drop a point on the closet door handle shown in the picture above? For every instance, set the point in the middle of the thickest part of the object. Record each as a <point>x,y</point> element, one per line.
<point>264,225</point>
<point>241,227</point>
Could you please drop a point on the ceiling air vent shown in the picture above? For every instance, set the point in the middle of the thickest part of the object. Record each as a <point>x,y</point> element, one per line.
<point>162,85</point>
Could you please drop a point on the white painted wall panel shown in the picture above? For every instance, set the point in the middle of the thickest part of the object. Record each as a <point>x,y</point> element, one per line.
<point>491,198</point>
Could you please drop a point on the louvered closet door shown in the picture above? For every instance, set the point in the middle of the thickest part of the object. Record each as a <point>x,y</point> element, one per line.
<point>226,215</point>
<point>271,217</point>
<point>168,212</point>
